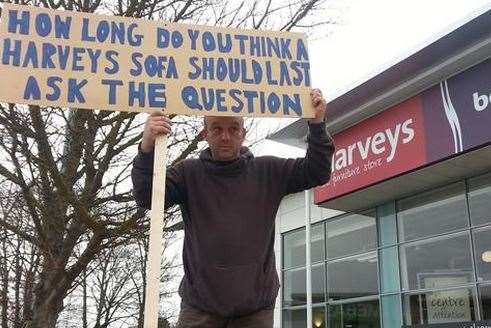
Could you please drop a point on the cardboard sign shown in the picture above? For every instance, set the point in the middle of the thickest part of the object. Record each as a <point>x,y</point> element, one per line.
<point>70,59</point>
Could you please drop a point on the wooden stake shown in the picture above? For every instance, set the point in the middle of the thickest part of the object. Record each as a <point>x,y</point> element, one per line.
<point>156,226</point>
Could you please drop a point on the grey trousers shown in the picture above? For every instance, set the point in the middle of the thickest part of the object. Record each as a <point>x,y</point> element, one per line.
<point>190,317</point>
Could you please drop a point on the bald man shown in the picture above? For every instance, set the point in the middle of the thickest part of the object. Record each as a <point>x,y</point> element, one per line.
<point>229,199</point>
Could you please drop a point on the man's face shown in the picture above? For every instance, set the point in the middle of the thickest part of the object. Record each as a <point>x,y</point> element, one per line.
<point>225,136</point>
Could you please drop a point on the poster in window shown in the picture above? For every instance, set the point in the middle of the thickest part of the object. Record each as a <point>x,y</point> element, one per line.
<point>448,305</point>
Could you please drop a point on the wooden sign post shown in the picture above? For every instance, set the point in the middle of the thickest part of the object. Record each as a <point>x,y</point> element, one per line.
<point>152,291</point>
<point>70,59</point>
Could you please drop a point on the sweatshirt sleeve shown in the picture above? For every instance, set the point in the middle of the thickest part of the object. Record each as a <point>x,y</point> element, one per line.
<point>142,177</point>
<point>315,168</point>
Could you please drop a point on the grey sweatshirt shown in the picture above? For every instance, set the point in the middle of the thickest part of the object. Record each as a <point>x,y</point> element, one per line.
<point>228,211</point>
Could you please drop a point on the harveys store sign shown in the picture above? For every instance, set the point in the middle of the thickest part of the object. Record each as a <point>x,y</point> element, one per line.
<point>447,119</point>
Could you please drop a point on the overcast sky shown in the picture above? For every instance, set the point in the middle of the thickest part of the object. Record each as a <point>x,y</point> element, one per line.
<point>376,34</point>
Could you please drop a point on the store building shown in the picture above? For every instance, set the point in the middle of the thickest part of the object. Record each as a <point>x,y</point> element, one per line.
<point>401,235</point>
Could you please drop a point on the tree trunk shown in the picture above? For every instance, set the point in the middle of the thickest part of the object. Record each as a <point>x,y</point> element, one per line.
<point>55,280</point>
<point>28,293</point>
<point>84,300</point>
<point>46,307</point>
<point>46,315</point>
<point>4,297</point>
<point>49,294</point>
<point>17,286</point>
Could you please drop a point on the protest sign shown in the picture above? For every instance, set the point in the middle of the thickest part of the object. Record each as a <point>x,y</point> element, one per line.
<point>71,59</point>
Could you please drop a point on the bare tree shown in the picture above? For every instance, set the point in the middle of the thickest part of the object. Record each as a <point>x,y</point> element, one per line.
<point>69,168</point>
<point>115,285</point>
<point>19,263</point>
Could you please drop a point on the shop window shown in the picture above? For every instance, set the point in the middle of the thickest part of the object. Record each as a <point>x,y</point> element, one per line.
<point>352,277</point>
<point>318,283</point>
<point>485,297</point>
<point>294,287</point>
<point>437,262</point>
<point>317,242</point>
<point>356,315</point>
<point>434,212</point>
<point>480,199</point>
<point>319,317</point>
<point>294,318</point>
<point>352,234</point>
<point>335,316</point>
<point>482,253</point>
<point>456,305</point>
<point>294,249</point>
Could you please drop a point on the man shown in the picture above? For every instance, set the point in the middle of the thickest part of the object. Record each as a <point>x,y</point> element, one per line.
<point>229,200</point>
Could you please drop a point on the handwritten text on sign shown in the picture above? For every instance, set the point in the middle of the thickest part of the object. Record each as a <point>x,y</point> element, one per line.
<point>68,59</point>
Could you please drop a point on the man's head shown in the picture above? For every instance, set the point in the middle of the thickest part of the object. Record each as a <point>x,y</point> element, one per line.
<point>225,136</point>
